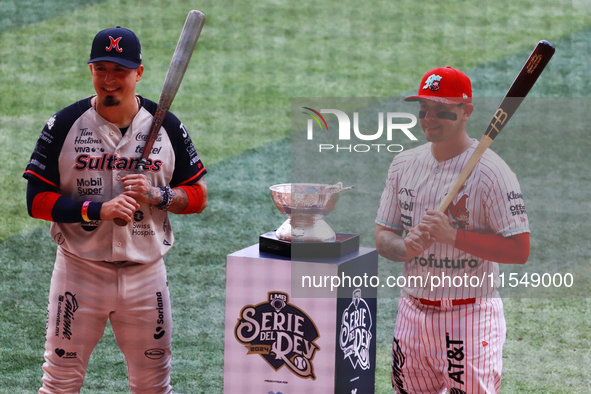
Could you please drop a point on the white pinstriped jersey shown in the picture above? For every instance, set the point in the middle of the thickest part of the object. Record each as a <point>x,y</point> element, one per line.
<point>85,157</point>
<point>490,202</point>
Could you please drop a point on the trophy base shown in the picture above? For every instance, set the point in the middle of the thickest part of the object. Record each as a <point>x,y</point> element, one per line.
<point>343,245</point>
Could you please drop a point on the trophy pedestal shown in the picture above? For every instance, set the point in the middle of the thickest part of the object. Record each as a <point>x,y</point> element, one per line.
<point>344,244</point>
<point>285,332</point>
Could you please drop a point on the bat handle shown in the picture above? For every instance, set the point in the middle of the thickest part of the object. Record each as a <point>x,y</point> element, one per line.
<point>138,170</point>
<point>483,145</point>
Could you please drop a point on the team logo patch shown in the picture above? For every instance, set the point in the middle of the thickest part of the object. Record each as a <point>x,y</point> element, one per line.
<point>114,44</point>
<point>432,82</point>
<point>355,335</point>
<point>281,333</point>
<point>50,122</point>
<point>459,212</point>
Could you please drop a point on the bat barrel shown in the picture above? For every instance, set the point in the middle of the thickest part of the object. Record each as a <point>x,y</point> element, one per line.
<point>521,86</point>
<point>181,57</point>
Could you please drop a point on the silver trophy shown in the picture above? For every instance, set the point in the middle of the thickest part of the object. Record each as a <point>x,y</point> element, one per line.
<point>306,205</point>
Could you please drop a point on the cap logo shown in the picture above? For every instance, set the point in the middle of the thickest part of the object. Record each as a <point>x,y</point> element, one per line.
<point>114,44</point>
<point>432,82</point>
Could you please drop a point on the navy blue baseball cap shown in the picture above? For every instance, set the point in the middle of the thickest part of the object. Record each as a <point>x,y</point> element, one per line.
<point>118,45</point>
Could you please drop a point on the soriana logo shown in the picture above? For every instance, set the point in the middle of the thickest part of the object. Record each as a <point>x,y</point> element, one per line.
<point>280,333</point>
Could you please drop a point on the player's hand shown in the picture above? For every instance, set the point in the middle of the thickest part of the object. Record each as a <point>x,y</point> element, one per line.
<point>139,188</point>
<point>121,207</point>
<point>436,223</point>
<point>417,241</point>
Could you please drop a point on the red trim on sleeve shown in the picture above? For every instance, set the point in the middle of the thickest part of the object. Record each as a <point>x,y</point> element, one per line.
<point>43,205</point>
<point>190,179</point>
<point>195,195</point>
<point>494,247</point>
<point>40,177</point>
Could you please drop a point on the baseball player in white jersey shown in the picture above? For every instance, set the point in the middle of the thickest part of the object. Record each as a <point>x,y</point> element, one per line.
<point>450,327</point>
<point>81,177</point>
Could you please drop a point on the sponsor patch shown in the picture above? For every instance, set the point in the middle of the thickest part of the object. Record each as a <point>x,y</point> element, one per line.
<point>406,220</point>
<point>159,331</point>
<point>154,354</point>
<point>455,356</point>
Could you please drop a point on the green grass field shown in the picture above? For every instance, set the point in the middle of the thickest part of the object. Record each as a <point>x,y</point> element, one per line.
<point>251,60</point>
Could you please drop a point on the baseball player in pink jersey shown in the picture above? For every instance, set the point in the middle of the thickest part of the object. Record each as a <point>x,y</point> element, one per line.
<point>81,177</point>
<point>450,327</point>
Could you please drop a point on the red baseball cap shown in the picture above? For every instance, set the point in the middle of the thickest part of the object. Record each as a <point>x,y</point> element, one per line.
<point>445,85</point>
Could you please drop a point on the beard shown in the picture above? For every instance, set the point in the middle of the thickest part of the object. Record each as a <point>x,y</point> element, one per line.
<point>110,101</point>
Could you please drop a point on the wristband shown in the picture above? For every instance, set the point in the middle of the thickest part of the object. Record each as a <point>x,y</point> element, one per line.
<point>85,211</point>
<point>195,197</point>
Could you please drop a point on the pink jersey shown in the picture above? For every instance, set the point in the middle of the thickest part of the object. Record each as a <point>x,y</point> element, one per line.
<point>489,202</point>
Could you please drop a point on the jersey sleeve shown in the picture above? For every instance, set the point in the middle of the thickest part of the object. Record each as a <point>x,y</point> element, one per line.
<point>389,214</point>
<point>188,168</point>
<point>43,164</point>
<point>505,205</point>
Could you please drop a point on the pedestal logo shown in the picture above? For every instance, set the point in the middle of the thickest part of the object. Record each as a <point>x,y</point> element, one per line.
<point>281,333</point>
<point>355,336</point>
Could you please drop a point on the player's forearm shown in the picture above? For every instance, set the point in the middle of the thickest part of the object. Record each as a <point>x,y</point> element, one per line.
<point>391,246</point>
<point>43,202</point>
<point>180,200</point>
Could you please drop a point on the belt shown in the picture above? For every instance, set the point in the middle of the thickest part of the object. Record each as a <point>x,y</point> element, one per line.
<point>465,301</point>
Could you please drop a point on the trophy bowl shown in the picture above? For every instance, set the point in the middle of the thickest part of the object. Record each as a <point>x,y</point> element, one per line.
<point>306,205</point>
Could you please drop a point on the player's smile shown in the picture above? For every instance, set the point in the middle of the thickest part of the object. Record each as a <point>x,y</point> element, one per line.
<point>112,79</point>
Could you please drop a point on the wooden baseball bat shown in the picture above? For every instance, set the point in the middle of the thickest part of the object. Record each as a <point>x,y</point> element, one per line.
<point>520,87</point>
<point>176,71</point>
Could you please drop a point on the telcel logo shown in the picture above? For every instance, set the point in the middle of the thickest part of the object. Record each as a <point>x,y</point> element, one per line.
<point>345,130</point>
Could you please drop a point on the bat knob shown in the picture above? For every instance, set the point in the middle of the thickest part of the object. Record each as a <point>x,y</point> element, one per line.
<point>120,222</point>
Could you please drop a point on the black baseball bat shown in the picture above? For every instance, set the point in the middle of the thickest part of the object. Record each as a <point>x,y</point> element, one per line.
<point>520,87</point>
